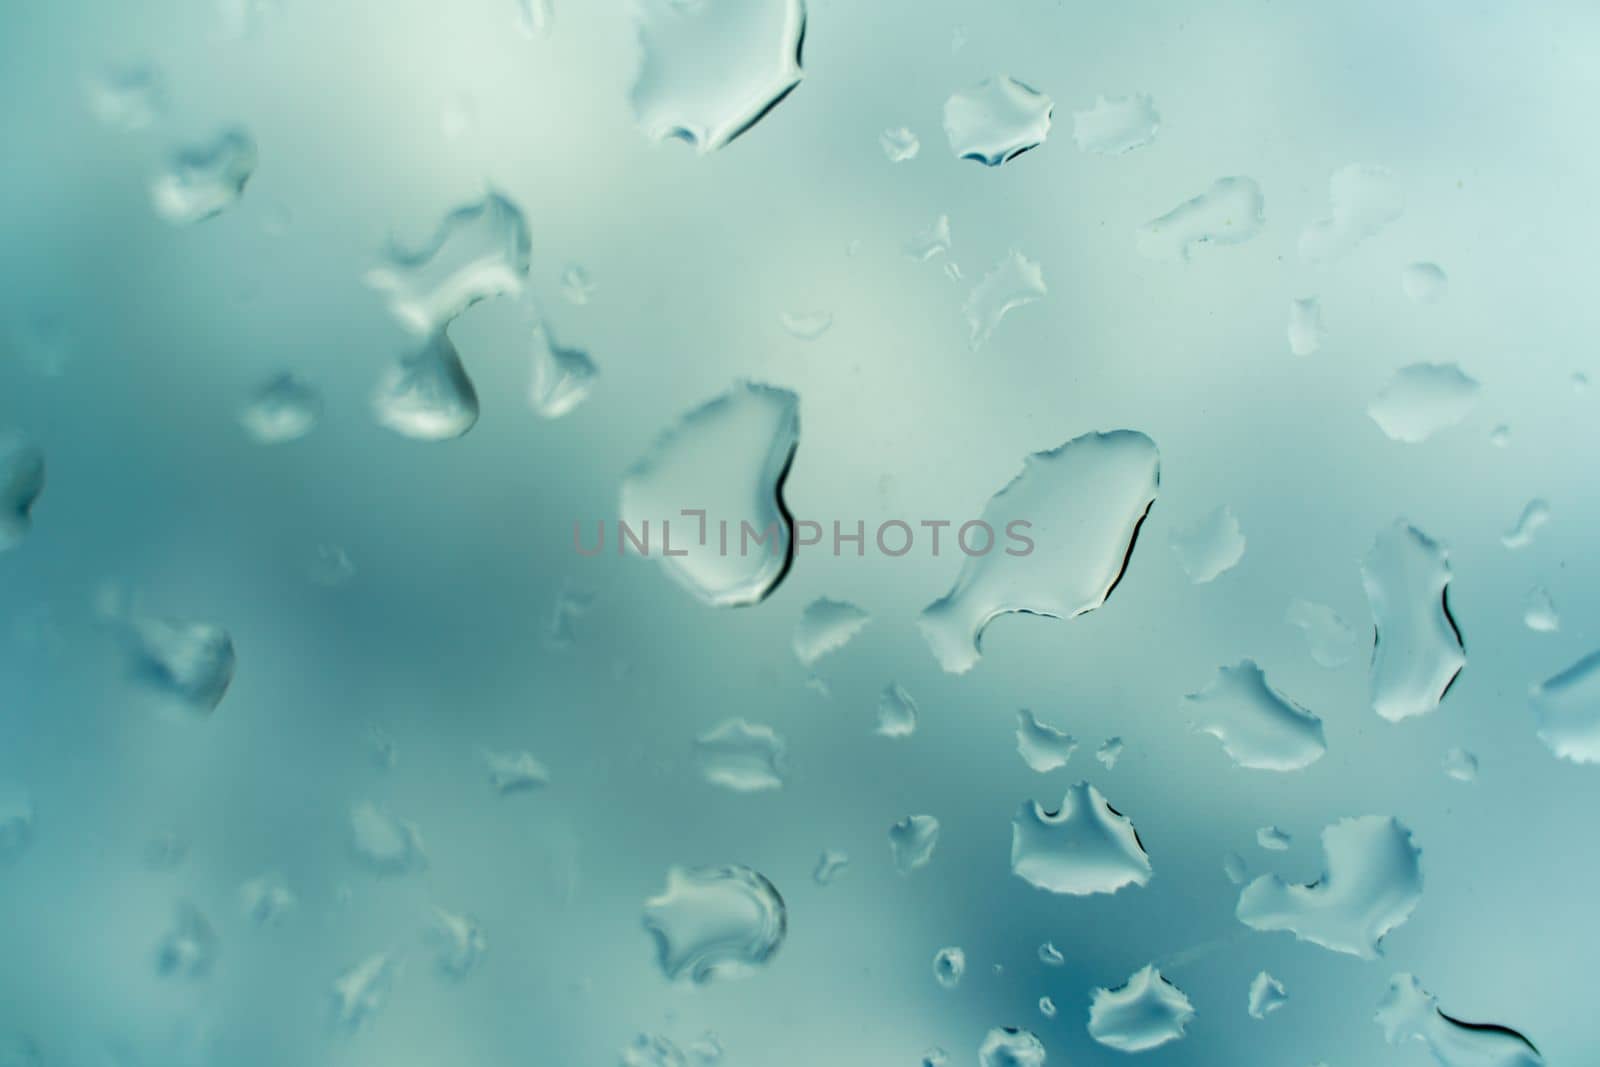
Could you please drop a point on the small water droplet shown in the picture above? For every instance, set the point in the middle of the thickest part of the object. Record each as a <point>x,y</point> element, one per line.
<point>1461,765</point>
<point>806,325</point>
<point>949,964</point>
<point>996,120</point>
<point>1533,516</point>
<point>1233,866</point>
<point>1363,200</point>
<point>127,97</point>
<point>563,378</point>
<point>1266,995</point>
<point>204,180</point>
<point>384,843</point>
<point>1580,382</point>
<point>932,240</point>
<point>912,841</point>
<point>361,992</point>
<point>1330,639</point>
<point>899,144</point>
<point>21,482</point>
<point>1539,611</point>
<point>1085,847</point>
<point>1371,884</point>
<point>330,566</point>
<point>1567,708</point>
<point>1229,213</point>
<point>188,665</point>
<point>1210,546</point>
<point>571,605</point>
<point>478,251</point>
<point>1500,436</point>
<point>458,117</point>
<point>935,1057</point>
<point>1144,1013</point>
<point>715,922</point>
<point>282,409</point>
<point>897,712</point>
<point>1047,1007</point>
<point>1306,331</point>
<point>1418,649</point>
<point>1424,283</point>
<point>515,772</point>
<point>1008,1046</point>
<point>1109,752</point>
<point>1259,727</point>
<point>381,748</point>
<point>830,865</point>
<point>741,756</point>
<point>534,17</point>
<point>576,285</point>
<point>1409,1012</point>
<point>427,395</point>
<point>1041,746</point>
<point>826,626</point>
<point>166,851</point>
<point>1272,839</point>
<point>1116,125</point>
<point>706,1049</point>
<point>189,949</point>
<point>266,900</point>
<point>1422,399</point>
<point>16,821</point>
<point>458,943</point>
<point>653,1050</point>
<point>1051,956</point>
<point>1016,281</point>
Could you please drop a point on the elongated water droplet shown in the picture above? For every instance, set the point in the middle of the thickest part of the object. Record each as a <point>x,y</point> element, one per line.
<point>1233,866</point>
<point>1533,516</point>
<point>188,665</point>
<point>996,120</point>
<point>1461,765</point>
<point>741,756</point>
<point>1306,331</point>
<point>1424,283</point>
<point>1228,213</point>
<point>1007,1046</point>
<point>949,964</point>
<point>1109,752</point>
<point>458,943</point>
<point>711,69</point>
<point>826,626</point>
<point>1116,125</point>
<point>912,841</point>
<point>1418,651</point>
<point>562,377</point>
<point>1080,507</point>
<point>1539,611</point>
<point>806,325</point>
<point>283,409</point>
<point>1371,884</point>
<point>1272,839</point>
<point>427,395</point>
<point>384,843</point>
<point>1259,727</point>
<point>1145,1013</point>
<point>515,772</point>
<point>1567,708</point>
<point>1422,399</point>
<point>361,992</point>
<point>1085,847</point>
<point>1014,282</point>
<point>21,482</point>
<point>715,922</point>
<point>479,251</point>
<point>830,865</point>
<point>129,97</point>
<point>1210,546</point>
<point>1266,995</point>
<point>932,240</point>
<point>899,144</point>
<point>1363,200</point>
<point>204,180</point>
<point>729,458</point>
<point>1409,1012</point>
<point>1330,639</point>
<point>1041,746</point>
<point>1051,956</point>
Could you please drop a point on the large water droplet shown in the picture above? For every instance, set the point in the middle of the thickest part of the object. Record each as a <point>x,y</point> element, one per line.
<point>515,772</point>
<point>1371,884</point>
<point>1330,639</point>
<point>1228,213</point>
<point>897,712</point>
<point>385,843</point>
<point>204,180</point>
<point>1267,995</point>
<point>1422,399</point>
<point>826,626</point>
<point>729,458</point>
<point>912,841</point>
<point>741,756</point>
<point>562,377</point>
<point>1533,516</point>
<point>711,69</point>
<point>1539,611</point>
<point>996,120</point>
<point>949,964</point>
<point>1041,746</point>
<point>1015,282</point>
<point>189,949</point>
<point>1116,125</point>
<point>1409,1012</point>
<point>427,395</point>
<point>186,664</point>
<point>361,992</point>
<point>1259,727</point>
<point>21,482</point>
<point>1145,1013</point>
<point>1424,283</point>
<point>715,922</point>
<point>1306,331</point>
<point>1009,1047</point>
<point>1567,707</point>
<point>478,251</point>
<point>458,943</point>
<point>1418,650</point>
<point>1079,507</point>
<point>282,409</point>
<point>1085,847</point>
<point>1363,199</point>
<point>128,98</point>
<point>1210,546</point>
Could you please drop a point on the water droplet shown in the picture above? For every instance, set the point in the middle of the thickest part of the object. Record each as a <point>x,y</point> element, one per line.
<point>1424,283</point>
<point>459,117</point>
<point>830,865</point>
<point>16,821</point>
<point>653,1050</point>
<point>1409,1012</point>
<point>1210,546</point>
<point>360,992</point>
<point>935,1057</point>
<point>1533,516</point>
<point>479,251</point>
<point>728,457</point>
<point>1539,611</point>
<point>706,1049</point>
<point>1009,1047</point>
<point>330,566</point>
<point>912,841</point>
<point>458,943</point>
<point>1580,382</point>
<point>715,922</point>
<point>1047,1007</point>
<point>1014,282</point>
<point>1116,125</point>
<point>1051,956</point>
<point>899,144</point>
<point>187,664</point>
<point>806,325</point>
<point>1371,883</point>
<point>1109,752</point>
<point>282,409</point>
<point>576,285</point>
<point>381,748</point>
<point>897,712</point>
<point>189,949</point>
<point>1272,839</point>
<point>1085,847</point>
<point>1418,649</point>
<point>571,605</point>
<point>932,240</point>
<point>1306,331</point>
<point>1083,503</point>
<point>203,180</point>
<point>1500,436</point>
<point>1567,707</point>
<point>949,964</point>
<point>1228,213</point>
<point>1259,727</point>
<point>534,17</point>
<point>741,756</point>
<point>1461,765</point>
<point>128,98</point>
<point>384,843</point>
<point>711,69</point>
<point>826,626</point>
<point>266,900</point>
<point>1233,866</point>
<point>996,120</point>
<point>1331,640</point>
<point>1266,995</point>
<point>1041,746</point>
<point>1145,1013</point>
<point>21,481</point>
<point>515,772</point>
<point>1363,200</point>
<point>427,395</point>
<point>563,378</point>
